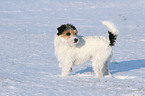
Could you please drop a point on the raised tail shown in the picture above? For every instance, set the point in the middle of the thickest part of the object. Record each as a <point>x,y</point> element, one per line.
<point>113,32</point>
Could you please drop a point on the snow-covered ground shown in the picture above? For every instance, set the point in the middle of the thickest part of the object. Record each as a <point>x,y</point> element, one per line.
<point>28,66</point>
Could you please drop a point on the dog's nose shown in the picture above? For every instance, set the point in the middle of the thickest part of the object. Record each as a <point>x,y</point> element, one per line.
<point>75,40</point>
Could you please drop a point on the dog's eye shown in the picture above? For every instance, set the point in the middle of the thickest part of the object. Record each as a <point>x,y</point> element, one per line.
<point>68,34</point>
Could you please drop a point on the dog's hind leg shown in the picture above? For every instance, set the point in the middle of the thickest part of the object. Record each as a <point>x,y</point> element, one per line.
<point>97,67</point>
<point>106,66</point>
<point>105,69</point>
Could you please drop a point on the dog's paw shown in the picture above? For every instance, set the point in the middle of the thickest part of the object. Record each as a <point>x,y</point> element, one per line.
<point>64,74</point>
<point>99,76</point>
<point>60,65</point>
<point>109,74</point>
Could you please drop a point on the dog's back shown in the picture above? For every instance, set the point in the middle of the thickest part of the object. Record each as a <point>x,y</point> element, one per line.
<point>89,47</point>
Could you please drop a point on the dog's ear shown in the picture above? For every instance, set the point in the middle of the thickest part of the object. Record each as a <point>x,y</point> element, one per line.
<point>72,26</point>
<point>61,29</point>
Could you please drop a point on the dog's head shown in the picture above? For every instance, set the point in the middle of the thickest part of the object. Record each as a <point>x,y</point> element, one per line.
<point>68,34</point>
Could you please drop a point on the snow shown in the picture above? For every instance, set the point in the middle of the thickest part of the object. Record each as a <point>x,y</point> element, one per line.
<point>28,66</point>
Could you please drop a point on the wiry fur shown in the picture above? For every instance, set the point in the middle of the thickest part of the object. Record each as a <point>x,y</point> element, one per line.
<point>94,48</point>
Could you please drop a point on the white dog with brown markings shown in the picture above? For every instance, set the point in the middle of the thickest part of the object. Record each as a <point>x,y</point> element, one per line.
<point>71,49</point>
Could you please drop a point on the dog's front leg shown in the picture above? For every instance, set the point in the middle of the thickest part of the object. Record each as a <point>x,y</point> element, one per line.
<point>66,68</point>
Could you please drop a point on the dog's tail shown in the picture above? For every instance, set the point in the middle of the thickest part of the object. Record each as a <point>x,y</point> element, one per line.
<point>113,32</point>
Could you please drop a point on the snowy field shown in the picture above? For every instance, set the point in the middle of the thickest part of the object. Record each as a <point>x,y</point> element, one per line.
<point>28,66</point>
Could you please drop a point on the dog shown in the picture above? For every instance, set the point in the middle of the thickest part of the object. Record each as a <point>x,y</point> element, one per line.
<point>71,49</point>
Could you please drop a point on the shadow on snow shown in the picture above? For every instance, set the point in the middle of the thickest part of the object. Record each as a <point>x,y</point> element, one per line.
<point>122,66</point>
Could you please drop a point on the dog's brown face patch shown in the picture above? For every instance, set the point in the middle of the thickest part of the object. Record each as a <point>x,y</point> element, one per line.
<point>68,33</point>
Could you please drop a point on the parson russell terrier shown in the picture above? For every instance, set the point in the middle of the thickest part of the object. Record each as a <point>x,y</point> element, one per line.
<point>72,49</point>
